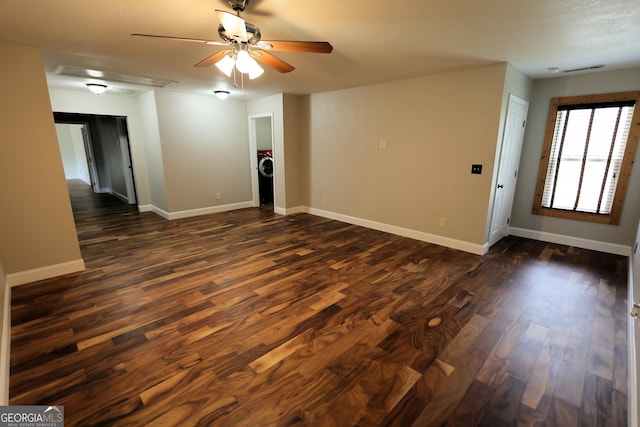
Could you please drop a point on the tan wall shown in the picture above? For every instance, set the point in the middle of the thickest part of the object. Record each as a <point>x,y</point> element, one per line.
<point>153,151</point>
<point>205,150</point>
<point>436,127</point>
<point>36,222</point>
<point>292,154</point>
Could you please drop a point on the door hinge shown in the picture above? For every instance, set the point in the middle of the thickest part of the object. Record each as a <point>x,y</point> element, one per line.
<point>524,122</point>
<point>515,174</point>
<point>508,220</point>
<point>635,311</point>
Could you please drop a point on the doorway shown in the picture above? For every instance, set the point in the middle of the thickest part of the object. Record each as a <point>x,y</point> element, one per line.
<point>262,161</point>
<point>95,149</point>
<point>508,168</point>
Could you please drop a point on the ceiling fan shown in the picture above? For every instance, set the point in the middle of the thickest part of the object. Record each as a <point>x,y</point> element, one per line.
<point>244,41</point>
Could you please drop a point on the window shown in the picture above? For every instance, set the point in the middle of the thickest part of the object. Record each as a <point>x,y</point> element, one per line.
<point>588,153</point>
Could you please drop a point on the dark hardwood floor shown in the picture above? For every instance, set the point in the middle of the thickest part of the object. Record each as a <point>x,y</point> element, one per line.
<point>247,318</point>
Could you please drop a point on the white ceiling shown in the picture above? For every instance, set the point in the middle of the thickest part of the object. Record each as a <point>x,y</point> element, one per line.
<point>374,40</point>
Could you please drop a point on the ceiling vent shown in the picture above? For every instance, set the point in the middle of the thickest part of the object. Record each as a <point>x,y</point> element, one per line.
<point>69,70</point>
<point>591,67</point>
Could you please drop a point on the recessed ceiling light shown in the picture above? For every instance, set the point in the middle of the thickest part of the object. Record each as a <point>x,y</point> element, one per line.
<point>553,69</point>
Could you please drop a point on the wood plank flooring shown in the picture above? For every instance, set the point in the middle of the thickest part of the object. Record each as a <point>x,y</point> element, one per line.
<point>247,318</point>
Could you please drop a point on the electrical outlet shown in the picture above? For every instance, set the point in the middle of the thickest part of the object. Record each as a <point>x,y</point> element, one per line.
<point>476,169</point>
<point>325,200</point>
<point>443,222</point>
<point>218,196</point>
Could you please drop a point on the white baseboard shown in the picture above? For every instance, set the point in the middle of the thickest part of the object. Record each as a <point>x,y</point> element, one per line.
<point>156,210</point>
<point>205,211</point>
<point>120,196</point>
<point>632,356</point>
<point>461,245</point>
<point>145,208</point>
<point>41,273</point>
<point>577,242</point>
<point>292,211</point>
<point>5,345</point>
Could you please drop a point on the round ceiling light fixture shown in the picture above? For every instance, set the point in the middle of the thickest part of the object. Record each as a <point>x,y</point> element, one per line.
<point>222,94</point>
<point>97,88</point>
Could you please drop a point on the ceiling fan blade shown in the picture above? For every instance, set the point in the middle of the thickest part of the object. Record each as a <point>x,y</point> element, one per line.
<point>233,25</point>
<point>183,39</point>
<point>295,46</point>
<point>210,60</point>
<point>271,61</point>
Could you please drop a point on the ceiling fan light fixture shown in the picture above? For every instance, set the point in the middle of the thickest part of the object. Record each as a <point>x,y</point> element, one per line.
<point>226,65</point>
<point>97,88</point>
<point>244,62</point>
<point>221,94</point>
<point>256,70</point>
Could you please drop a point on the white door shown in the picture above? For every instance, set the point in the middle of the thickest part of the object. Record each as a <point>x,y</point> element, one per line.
<point>88,148</point>
<point>508,167</point>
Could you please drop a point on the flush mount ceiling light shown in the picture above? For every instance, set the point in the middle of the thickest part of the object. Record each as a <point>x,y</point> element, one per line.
<point>97,88</point>
<point>222,94</point>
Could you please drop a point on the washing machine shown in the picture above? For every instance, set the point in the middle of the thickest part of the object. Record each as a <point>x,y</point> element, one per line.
<point>265,176</point>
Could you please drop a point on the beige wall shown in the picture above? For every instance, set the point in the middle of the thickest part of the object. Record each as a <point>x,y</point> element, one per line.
<point>153,151</point>
<point>543,91</point>
<point>36,222</point>
<point>436,127</point>
<point>264,136</point>
<point>292,154</point>
<point>205,150</point>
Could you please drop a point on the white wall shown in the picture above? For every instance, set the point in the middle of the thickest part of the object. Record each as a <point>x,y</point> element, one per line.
<point>617,236</point>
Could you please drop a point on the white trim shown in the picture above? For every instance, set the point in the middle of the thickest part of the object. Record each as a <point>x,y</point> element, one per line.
<point>156,210</point>
<point>209,210</point>
<point>282,211</point>
<point>120,196</point>
<point>291,211</point>
<point>145,208</point>
<point>632,356</point>
<point>5,346</point>
<point>577,242</point>
<point>41,273</point>
<point>461,245</point>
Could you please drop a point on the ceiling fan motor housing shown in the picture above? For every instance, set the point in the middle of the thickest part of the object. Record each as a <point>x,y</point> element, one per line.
<point>238,5</point>
<point>253,34</point>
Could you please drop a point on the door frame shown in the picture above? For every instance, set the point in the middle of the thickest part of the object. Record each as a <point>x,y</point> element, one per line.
<point>253,148</point>
<point>513,99</point>
<point>88,151</point>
